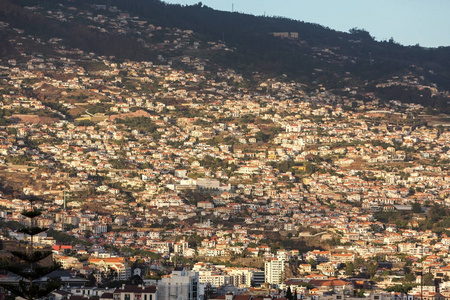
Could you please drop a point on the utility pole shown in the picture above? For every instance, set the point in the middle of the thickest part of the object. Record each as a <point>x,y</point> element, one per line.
<point>421,282</point>
<point>65,201</point>
<point>421,285</point>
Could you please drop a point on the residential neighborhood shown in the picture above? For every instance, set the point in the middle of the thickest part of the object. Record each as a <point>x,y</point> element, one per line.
<point>180,174</point>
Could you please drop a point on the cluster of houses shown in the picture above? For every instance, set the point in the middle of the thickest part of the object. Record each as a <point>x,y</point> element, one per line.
<point>164,153</point>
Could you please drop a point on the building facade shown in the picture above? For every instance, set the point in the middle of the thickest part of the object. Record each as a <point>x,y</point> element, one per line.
<point>180,285</point>
<point>274,271</point>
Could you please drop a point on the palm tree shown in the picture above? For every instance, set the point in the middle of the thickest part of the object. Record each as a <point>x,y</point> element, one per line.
<point>28,263</point>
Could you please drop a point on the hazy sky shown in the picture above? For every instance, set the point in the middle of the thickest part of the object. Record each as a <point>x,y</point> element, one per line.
<point>409,22</point>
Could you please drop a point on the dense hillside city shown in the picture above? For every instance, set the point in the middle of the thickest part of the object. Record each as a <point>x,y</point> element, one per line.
<point>176,176</point>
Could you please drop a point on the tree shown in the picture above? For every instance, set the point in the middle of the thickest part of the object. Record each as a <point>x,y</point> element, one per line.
<point>410,277</point>
<point>289,295</point>
<point>428,279</point>
<point>135,280</point>
<point>372,268</point>
<point>108,275</point>
<point>28,264</point>
<point>92,280</point>
<point>349,269</point>
<point>400,288</point>
<point>208,292</point>
<point>312,262</point>
<point>361,33</point>
<point>416,208</point>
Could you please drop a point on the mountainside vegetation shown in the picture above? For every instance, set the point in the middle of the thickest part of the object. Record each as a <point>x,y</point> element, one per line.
<point>271,46</point>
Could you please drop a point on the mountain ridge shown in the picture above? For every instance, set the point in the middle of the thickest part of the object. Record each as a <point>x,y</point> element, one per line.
<point>317,56</point>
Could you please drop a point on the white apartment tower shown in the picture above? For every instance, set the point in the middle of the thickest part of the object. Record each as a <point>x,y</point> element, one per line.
<point>274,271</point>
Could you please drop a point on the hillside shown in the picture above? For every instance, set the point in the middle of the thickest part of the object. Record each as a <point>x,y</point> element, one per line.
<point>169,135</point>
<point>307,53</point>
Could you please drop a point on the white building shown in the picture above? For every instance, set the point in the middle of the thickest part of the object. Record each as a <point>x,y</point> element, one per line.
<point>179,285</point>
<point>274,271</point>
<point>100,228</point>
<point>131,292</point>
<point>214,278</point>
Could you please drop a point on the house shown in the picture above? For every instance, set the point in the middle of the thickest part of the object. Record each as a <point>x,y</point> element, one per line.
<point>326,269</point>
<point>59,295</point>
<point>333,285</point>
<point>133,292</point>
<point>305,268</point>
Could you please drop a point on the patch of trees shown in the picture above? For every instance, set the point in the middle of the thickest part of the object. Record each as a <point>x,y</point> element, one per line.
<point>3,117</point>
<point>138,252</point>
<point>213,163</point>
<point>64,238</point>
<point>437,218</point>
<point>14,225</point>
<point>59,107</point>
<point>268,134</point>
<point>290,165</point>
<point>195,196</point>
<point>405,94</point>
<point>17,160</point>
<point>139,123</point>
<point>76,35</point>
<point>401,288</point>
<point>84,123</point>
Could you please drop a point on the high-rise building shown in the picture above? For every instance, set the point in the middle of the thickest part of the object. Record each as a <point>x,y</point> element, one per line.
<point>180,285</point>
<point>274,271</point>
